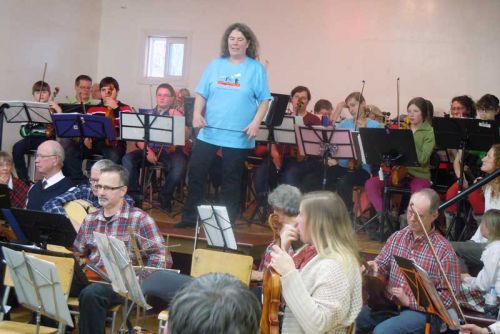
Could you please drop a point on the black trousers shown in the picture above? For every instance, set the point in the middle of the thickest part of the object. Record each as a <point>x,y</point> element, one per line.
<point>233,163</point>
<point>94,301</point>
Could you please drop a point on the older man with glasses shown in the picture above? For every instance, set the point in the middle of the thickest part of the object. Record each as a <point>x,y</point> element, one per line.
<point>114,218</point>
<point>49,162</point>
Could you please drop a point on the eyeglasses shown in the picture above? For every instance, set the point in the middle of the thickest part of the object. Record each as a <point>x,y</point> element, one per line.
<point>107,188</point>
<point>43,156</point>
<point>93,181</point>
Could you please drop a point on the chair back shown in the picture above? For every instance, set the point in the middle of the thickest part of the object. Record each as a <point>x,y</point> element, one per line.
<point>206,261</point>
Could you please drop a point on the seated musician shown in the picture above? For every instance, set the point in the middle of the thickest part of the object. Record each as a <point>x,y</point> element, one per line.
<point>179,99</point>
<point>214,303</point>
<point>83,86</point>
<point>486,198</point>
<point>284,165</point>
<point>114,218</point>
<point>41,93</point>
<point>411,243</point>
<point>49,161</point>
<point>18,189</point>
<point>284,201</point>
<point>464,107</point>
<point>418,178</point>
<point>321,283</point>
<point>479,285</point>
<point>174,161</point>
<point>475,329</point>
<point>340,175</point>
<point>109,149</point>
<point>86,192</point>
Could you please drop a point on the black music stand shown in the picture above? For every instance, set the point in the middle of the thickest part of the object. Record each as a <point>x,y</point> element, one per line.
<point>326,142</point>
<point>425,293</point>
<point>42,228</point>
<point>79,108</point>
<point>391,147</point>
<point>465,134</point>
<point>272,132</point>
<point>23,112</point>
<point>151,128</point>
<point>217,227</point>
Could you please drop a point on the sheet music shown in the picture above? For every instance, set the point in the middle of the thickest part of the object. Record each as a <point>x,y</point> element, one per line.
<point>45,283</point>
<point>215,235</point>
<point>16,111</point>
<point>283,134</point>
<point>163,129</point>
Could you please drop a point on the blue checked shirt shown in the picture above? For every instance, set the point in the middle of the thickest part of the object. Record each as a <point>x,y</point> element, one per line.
<point>148,237</point>
<point>83,191</point>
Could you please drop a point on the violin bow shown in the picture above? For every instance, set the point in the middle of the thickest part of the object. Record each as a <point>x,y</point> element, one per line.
<point>359,105</point>
<point>441,269</point>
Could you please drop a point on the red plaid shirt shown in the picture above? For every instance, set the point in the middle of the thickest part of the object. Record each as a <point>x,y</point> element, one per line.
<point>148,237</point>
<point>18,194</point>
<point>403,243</point>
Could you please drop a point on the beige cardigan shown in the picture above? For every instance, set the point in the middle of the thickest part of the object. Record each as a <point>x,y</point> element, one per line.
<point>321,298</point>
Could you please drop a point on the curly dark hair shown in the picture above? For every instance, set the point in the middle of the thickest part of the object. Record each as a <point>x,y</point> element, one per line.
<point>468,103</point>
<point>253,43</point>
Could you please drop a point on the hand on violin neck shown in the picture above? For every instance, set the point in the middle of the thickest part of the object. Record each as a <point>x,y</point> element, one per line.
<point>401,296</point>
<point>281,261</point>
<point>288,234</point>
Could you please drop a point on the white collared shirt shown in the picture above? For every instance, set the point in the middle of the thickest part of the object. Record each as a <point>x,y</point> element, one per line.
<point>53,179</point>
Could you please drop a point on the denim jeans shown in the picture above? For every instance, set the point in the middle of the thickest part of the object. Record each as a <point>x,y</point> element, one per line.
<point>175,165</point>
<point>405,322</point>
<point>202,157</point>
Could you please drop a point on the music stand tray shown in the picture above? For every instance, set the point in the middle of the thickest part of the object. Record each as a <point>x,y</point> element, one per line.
<point>44,228</point>
<point>38,286</point>
<point>476,134</point>
<point>114,255</point>
<point>315,140</point>
<point>25,111</point>
<point>424,291</point>
<point>72,125</point>
<point>217,227</point>
<point>162,129</point>
<point>396,144</point>
<point>283,134</point>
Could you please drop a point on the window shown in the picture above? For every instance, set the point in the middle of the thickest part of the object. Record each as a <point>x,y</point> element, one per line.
<point>165,58</point>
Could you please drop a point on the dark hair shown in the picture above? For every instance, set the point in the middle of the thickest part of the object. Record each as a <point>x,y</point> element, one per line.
<point>214,303</point>
<point>467,103</point>
<point>40,86</point>
<point>487,102</point>
<point>120,170</point>
<point>322,104</point>
<point>425,107</point>
<point>108,81</point>
<point>171,89</point>
<point>83,77</point>
<point>355,95</point>
<point>299,89</point>
<point>253,45</point>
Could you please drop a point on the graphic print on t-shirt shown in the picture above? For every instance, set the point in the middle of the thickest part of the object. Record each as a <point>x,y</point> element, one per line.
<point>230,81</point>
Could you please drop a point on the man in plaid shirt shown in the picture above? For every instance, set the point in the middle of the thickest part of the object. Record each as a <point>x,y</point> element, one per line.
<point>410,243</point>
<point>114,218</point>
<point>87,192</point>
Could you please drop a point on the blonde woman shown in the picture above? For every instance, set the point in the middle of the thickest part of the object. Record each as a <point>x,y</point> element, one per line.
<point>321,284</point>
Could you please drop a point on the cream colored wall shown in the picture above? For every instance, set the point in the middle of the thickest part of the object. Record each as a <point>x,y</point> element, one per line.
<point>439,48</point>
<point>63,33</point>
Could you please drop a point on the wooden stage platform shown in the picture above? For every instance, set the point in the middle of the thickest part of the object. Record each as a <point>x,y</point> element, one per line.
<point>252,239</point>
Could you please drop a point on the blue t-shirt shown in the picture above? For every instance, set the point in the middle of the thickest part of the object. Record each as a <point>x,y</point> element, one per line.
<point>233,93</point>
<point>349,124</point>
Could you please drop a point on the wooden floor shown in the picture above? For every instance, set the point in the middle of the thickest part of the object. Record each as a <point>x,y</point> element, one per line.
<point>252,238</point>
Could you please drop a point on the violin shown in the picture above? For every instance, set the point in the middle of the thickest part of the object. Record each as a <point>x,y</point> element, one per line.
<point>110,114</point>
<point>49,131</point>
<point>271,282</point>
<point>374,287</point>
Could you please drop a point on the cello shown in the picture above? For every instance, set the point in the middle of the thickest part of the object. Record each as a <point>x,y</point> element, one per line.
<point>271,283</point>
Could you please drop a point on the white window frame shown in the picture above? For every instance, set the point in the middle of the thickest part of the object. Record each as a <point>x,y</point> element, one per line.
<point>172,38</point>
